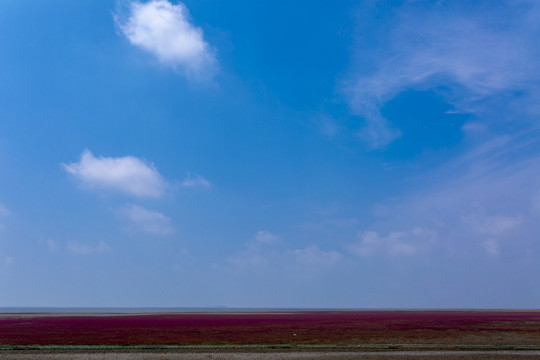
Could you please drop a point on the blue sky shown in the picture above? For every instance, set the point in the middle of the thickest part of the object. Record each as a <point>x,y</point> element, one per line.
<point>364,154</point>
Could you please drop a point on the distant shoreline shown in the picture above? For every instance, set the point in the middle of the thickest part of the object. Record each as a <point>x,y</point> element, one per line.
<point>150,310</point>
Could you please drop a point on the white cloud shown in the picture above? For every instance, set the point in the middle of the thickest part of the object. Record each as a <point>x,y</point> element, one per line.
<point>397,243</point>
<point>165,30</point>
<point>312,255</point>
<point>126,174</point>
<point>83,249</point>
<point>141,219</point>
<point>195,181</point>
<point>473,54</point>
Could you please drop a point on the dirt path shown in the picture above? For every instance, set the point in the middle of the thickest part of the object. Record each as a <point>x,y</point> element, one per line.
<point>384,355</point>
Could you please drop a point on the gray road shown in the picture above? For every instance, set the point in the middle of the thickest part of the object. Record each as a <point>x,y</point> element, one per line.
<point>400,355</point>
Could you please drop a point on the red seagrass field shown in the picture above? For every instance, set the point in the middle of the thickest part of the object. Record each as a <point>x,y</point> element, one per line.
<point>291,327</point>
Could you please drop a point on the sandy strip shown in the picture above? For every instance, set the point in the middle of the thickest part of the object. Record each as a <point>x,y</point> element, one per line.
<point>383,355</point>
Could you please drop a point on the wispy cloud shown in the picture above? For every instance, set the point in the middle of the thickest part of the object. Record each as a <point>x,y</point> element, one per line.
<point>265,237</point>
<point>128,174</point>
<point>9,261</point>
<point>84,249</point>
<point>467,50</point>
<point>255,252</point>
<point>148,221</point>
<point>396,243</point>
<point>483,60</point>
<point>195,181</point>
<point>492,225</point>
<point>327,125</point>
<point>165,30</point>
<point>4,211</point>
<point>51,244</point>
<point>484,200</point>
<point>263,251</point>
<point>492,246</point>
<point>312,255</point>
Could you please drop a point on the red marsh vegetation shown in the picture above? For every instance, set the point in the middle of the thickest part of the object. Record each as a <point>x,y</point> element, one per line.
<point>308,327</point>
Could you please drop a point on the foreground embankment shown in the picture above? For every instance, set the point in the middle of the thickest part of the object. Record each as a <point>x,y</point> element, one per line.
<point>408,355</point>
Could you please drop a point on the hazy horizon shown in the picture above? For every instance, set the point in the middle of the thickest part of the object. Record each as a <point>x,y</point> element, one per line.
<point>226,309</point>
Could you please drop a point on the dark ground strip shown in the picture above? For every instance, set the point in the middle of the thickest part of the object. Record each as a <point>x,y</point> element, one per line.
<point>264,348</point>
<point>384,355</point>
